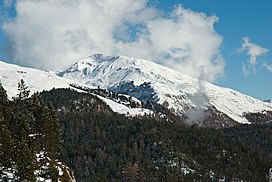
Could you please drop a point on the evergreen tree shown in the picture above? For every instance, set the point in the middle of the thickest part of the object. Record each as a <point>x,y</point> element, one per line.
<point>23,90</point>
<point>22,119</point>
<point>4,105</point>
<point>3,99</point>
<point>52,132</point>
<point>28,125</point>
<point>6,143</point>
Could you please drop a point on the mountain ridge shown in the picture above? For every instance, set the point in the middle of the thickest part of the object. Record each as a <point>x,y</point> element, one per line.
<point>142,79</point>
<point>183,93</point>
<point>37,81</point>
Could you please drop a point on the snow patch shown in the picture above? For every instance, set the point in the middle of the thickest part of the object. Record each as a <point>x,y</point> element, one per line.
<point>122,109</point>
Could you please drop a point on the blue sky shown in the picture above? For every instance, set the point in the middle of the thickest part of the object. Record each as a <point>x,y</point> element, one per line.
<point>236,20</point>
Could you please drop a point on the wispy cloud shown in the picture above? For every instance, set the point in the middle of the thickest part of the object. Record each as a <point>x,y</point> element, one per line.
<point>52,34</point>
<point>253,51</point>
<point>267,66</point>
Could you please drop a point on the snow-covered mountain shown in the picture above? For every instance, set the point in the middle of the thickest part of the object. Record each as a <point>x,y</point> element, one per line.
<point>142,79</point>
<point>148,81</point>
<point>38,80</point>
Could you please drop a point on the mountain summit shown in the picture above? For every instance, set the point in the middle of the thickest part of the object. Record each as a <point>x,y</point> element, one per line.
<point>151,82</point>
<point>147,81</point>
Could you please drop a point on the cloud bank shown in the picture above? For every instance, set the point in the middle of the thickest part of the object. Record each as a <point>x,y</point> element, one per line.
<point>53,34</point>
<point>253,51</point>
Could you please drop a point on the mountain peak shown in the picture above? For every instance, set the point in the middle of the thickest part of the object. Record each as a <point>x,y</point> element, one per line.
<point>148,81</point>
<point>85,67</point>
<point>101,57</point>
<point>142,79</point>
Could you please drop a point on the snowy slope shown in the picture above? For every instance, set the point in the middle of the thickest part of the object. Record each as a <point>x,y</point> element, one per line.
<point>146,80</point>
<point>122,109</point>
<point>37,81</point>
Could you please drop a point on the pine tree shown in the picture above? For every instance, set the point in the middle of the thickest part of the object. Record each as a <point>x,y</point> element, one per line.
<point>6,141</point>
<point>27,126</point>
<point>3,98</point>
<point>52,132</point>
<point>3,101</point>
<point>22,119</point>
<point>23,90</point>
<point>39,112</point>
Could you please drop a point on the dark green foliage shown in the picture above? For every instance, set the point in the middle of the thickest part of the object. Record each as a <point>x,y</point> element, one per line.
<point>53,171</point>
<point>23,90</point>
<point>255,135</point>
<point>28,126</point>
<point>3,100</point>
<point>21,128</point>
<point>7,144</point>
<point>100,145</point>
<point>259,117</point>
<point>6,140</point>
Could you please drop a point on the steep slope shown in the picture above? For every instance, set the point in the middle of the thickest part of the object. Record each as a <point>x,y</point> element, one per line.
<point>149,81</point>
<point>38,80</point>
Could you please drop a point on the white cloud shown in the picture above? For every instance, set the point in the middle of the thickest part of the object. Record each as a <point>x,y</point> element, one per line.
<point>253,51</point>
<point>267,66</point>
<point>188,43</point>
<point>52,34</point>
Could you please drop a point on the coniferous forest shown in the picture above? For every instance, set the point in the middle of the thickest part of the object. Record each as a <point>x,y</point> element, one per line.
<point>30,134</point>
<point>100,145</point>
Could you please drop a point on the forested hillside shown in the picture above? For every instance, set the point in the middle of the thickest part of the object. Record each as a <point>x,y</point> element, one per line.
<point>258,136</point>
<point>100,145</point>
<point>84,133</point>
<point>30,137</point>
